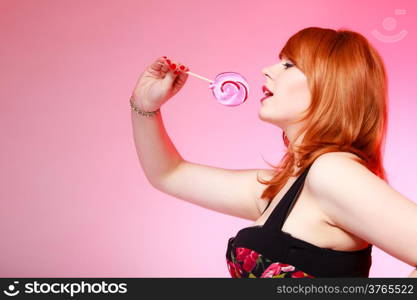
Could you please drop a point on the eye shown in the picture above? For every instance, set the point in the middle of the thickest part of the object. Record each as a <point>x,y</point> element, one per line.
<point>287,65</point>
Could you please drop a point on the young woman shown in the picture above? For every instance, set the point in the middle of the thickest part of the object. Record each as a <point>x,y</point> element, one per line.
<point>320,211</point>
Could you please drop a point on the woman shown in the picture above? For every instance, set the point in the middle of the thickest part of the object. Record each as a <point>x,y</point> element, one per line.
<point>328,95</point>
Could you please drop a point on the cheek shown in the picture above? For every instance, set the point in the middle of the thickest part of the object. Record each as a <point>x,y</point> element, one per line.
<point>296,96</point>
<point>295,88</point>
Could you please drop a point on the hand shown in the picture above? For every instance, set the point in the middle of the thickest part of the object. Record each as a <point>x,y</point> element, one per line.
<point>159,82</point>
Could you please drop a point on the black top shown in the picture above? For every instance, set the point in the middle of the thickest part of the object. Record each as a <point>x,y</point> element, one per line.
<point>267,251</point>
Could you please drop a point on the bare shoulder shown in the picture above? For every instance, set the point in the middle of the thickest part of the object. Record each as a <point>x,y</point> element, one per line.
<point>334,169</point>
<point>335,159</point>
<point>360,202</point>
<point>326,164</point>
<point>331,167</point>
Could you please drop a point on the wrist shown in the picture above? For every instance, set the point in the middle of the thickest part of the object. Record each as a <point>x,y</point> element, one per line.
<point>140,110</point>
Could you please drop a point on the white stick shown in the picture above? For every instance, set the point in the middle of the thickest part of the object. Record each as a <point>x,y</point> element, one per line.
<point>198,76</point>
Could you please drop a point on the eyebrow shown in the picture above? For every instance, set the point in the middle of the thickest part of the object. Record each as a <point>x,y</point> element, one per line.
<point>283,57</point>
<point>287,59</point>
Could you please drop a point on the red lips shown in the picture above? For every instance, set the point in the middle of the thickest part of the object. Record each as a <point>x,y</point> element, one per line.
<point>265,98</point>
<point>266,91</point>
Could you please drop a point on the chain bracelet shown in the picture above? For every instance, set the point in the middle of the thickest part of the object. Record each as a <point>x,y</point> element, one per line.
<point>143,113</point>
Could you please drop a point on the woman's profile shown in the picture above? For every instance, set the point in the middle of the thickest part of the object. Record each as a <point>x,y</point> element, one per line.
<point>322,208</point>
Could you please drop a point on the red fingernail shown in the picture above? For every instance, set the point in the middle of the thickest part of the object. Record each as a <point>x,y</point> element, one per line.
<point>173,66</point>
<point>182,67</point>
<point>168,61</point>
<point>176,72</point>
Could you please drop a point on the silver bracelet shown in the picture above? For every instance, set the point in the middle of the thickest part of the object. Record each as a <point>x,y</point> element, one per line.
<point>143,113</point>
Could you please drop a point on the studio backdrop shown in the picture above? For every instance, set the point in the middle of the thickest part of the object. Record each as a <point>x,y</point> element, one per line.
<point>75,201</point>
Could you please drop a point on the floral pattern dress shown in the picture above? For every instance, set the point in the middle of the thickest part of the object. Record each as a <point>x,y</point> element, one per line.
<point>248,263</point>
<point>273,248</point>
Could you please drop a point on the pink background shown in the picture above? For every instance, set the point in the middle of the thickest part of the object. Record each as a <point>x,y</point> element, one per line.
<point>74,199</point>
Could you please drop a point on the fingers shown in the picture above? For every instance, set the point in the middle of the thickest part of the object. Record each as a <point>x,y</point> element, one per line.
<point>157,69</point>
<point>159,65</point>
<point>174,66</point>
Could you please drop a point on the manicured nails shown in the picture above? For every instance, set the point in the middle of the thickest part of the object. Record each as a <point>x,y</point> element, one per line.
<point>175,68</point>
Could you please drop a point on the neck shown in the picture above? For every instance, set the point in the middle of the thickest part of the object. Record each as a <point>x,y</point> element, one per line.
<point>290,133</point>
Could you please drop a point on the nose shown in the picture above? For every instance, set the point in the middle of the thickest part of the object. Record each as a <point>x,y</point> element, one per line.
<point>265,72</point>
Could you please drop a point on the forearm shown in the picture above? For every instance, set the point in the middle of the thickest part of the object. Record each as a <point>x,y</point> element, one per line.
<point>156,152</point>
<point>413,273</point>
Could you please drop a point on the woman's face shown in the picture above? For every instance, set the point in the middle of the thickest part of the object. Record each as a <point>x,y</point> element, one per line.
<point>291,95</point>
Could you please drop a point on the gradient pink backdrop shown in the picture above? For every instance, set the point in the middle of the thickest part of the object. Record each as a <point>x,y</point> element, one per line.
<point>74,199</point>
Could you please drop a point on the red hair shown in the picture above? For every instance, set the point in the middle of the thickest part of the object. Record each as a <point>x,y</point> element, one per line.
<point>348,111</point>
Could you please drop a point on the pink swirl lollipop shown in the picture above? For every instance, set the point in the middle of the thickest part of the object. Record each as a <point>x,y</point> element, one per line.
<point>229,88</point>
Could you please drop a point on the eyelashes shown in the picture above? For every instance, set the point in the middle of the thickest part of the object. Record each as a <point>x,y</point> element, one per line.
<point>287,65</point>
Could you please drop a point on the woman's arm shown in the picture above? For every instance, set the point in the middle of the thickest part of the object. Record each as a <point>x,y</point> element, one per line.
<point>358,201</point>
<point>156,152</point>
<point>232,192</point>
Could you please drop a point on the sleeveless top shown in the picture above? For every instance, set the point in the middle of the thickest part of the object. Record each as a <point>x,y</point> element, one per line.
<point>267,251</point>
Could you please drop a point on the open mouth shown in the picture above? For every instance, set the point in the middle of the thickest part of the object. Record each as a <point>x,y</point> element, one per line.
<point>266,92</point>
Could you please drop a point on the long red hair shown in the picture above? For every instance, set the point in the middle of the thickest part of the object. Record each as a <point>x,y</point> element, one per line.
<point>348,112</point>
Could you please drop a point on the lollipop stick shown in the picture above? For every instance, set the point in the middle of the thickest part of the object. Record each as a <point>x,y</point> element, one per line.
<point>198,76</point>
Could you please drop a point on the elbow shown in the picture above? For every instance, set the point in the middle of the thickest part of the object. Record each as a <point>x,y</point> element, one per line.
<point>157,183</point>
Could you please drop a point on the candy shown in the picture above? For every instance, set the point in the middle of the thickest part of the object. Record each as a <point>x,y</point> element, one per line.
<point>229,88</point>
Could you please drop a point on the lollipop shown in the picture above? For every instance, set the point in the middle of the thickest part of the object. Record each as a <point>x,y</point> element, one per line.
<point>229,88</point>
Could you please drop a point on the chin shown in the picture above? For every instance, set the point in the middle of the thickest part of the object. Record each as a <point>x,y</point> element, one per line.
<point>264,116</point>
<point>269,117</point>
